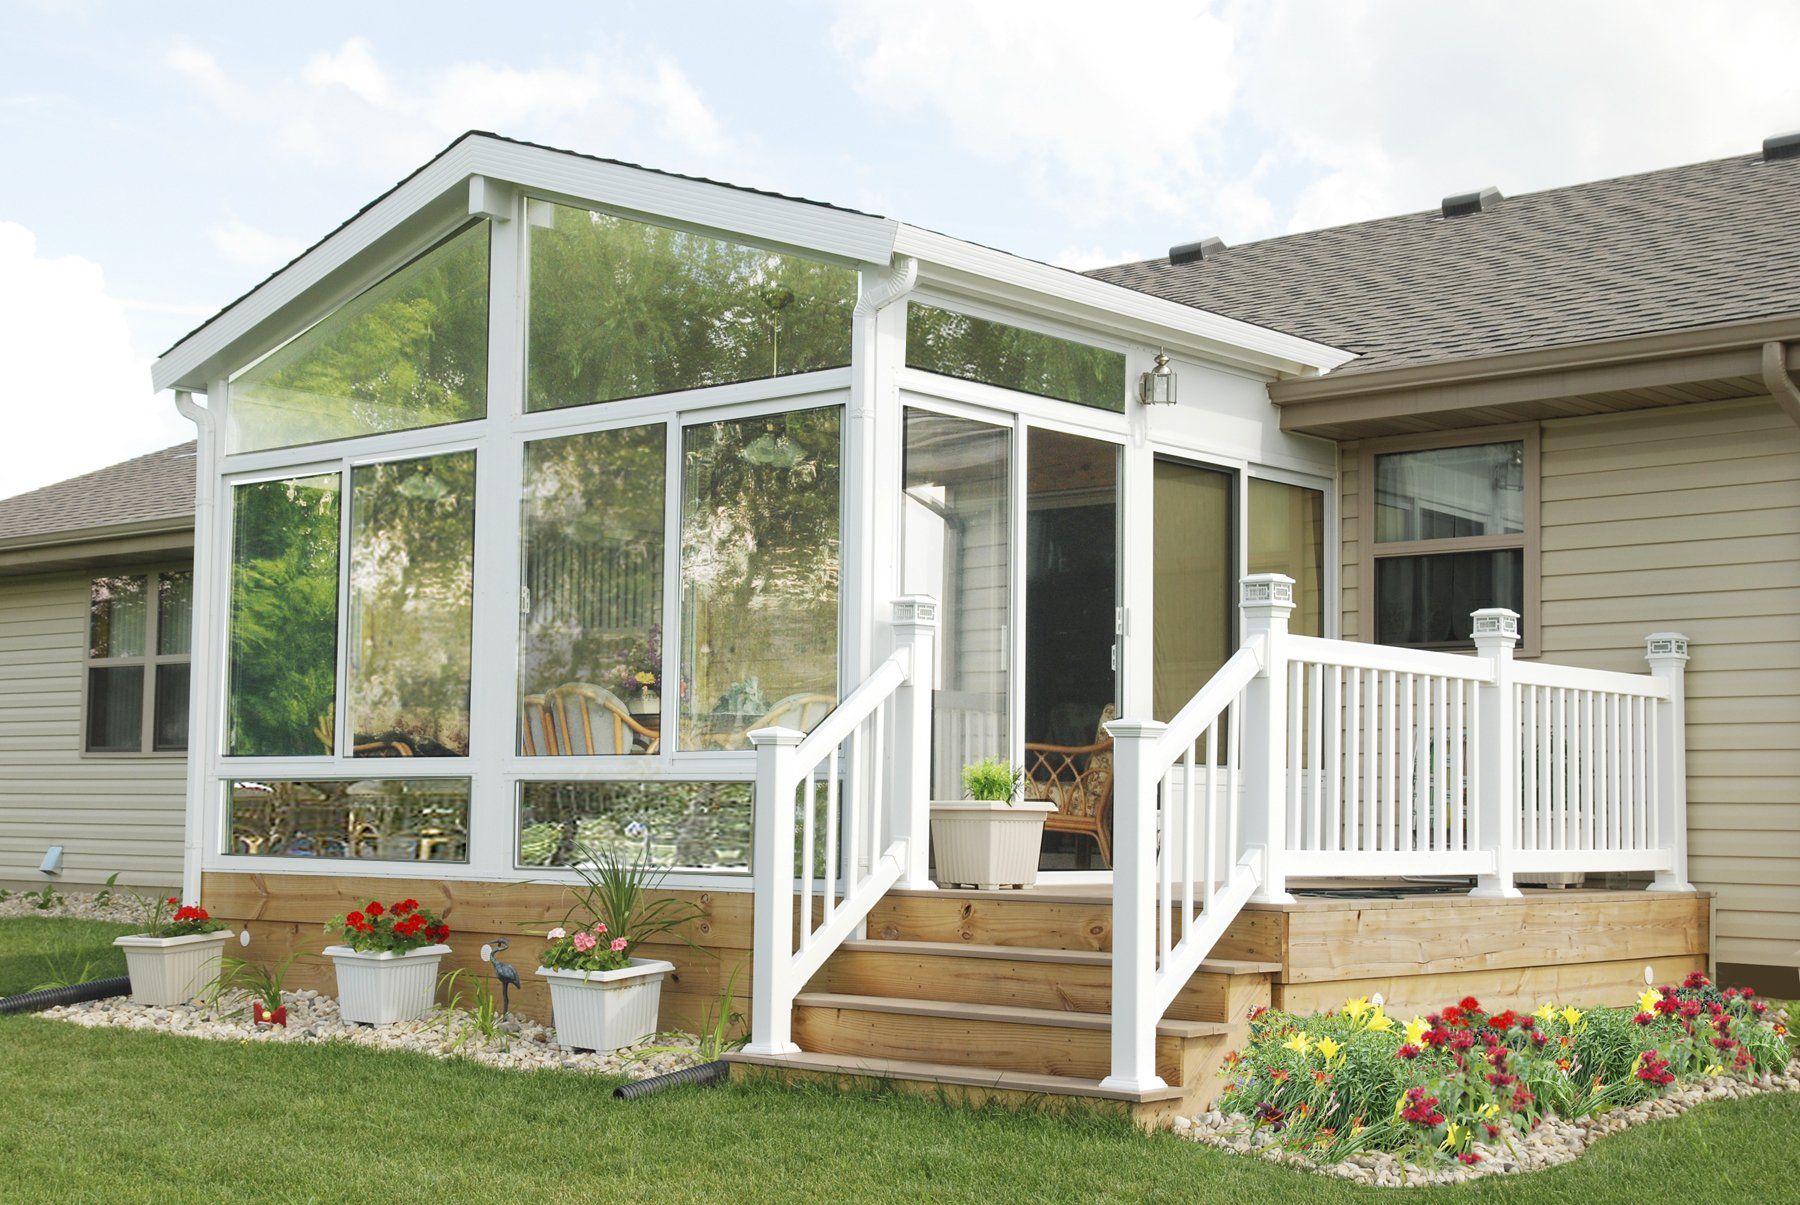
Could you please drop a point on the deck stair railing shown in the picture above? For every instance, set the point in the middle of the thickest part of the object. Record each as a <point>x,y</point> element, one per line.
<point>1345,760</point>
<point>841,815</point>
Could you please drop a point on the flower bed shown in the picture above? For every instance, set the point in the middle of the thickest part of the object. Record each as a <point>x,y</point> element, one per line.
<point>1463,1086</point>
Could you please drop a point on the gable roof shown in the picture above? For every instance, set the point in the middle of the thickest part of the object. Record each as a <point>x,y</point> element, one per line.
<point>147,493</point>
<point>1668,250</point>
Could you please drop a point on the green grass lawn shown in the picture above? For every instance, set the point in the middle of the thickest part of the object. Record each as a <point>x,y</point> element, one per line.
<point>120,1116</point>
<point>35,950</point>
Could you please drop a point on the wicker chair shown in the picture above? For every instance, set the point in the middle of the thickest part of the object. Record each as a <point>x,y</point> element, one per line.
<point>1078,779</point>
<point>578,719</point>
<point>802,711</point>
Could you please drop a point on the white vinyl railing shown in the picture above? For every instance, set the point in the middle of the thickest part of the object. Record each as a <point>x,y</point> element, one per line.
<point>1355,760</point>
<point>840,816</point>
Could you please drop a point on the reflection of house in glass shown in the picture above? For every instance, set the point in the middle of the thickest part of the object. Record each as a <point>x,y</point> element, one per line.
<point>389,820</point>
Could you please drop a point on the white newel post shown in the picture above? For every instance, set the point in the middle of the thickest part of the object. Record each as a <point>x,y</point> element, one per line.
<point>1495,784</point>
<point>1667,653</point>
<point>915,627</point>
<point>772,863</point>
<point>1266,599</point>
<point>1137,774</point>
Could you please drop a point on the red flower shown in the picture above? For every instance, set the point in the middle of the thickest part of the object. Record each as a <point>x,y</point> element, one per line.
<point>1470,1157</point>
<point>1696,979</point>
<point>1527,1023</point>
<point>438,933</point>
<point>1642,1019</point>
<point>1407,1051</point>
<point>354,920</point>
<point>1667,1005</point>
<point>1503,1021</point>
<point>1469,1004</point>
<point>1747,992</point>
<point>405,906</point>
<point>174,900</point>
<point>374,908</point>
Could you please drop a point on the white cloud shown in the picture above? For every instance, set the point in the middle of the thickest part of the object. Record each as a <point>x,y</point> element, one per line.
<point>1245,118</point>
<point>346,107</point>
<point>248,246</point>
<point>77,394</point>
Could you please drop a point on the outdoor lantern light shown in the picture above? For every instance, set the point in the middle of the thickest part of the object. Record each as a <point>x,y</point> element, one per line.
<point>1157,387</point>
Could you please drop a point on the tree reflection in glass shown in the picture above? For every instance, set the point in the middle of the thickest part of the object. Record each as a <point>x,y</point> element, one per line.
<point>412,545</point>
<point>759,575</point>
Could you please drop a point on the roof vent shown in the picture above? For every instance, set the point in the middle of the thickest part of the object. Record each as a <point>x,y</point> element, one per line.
<point>1463,204</point>
<point>1782,146</point>
<point>1191,253</point>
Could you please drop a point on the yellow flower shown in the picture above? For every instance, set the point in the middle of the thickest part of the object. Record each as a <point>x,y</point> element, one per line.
<point>1299,1043</point>
<point>1570,1016</point>
<point>1491,1110</point>
<point>645,677</point>
<point>1453,1134</point>
<point>1715,1069</point>
<point>1546,1012</point>
<point>1416,1029</point>
<point>1328,1049</point>
<point>1380,1022</point>
<point>1649,1000</point>
<point>1358,1008</point>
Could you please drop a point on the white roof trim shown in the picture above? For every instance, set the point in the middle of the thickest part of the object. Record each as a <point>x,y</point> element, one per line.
<point>782,221</point>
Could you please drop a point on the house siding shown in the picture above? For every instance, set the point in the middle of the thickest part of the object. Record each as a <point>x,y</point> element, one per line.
<point>110,813</point>
<point>1686,519</point>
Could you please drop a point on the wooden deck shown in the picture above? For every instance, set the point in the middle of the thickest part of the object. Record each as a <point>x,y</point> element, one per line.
<point>1008,994</point>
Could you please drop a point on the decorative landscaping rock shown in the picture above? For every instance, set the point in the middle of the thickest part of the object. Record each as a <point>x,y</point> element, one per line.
<point>517,1044</point>
<point>117,907</point>
<point>1553,1142</point>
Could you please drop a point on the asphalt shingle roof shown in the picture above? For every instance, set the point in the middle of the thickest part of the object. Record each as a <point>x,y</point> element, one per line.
<point>1667,250</point>
<point>144,489</point>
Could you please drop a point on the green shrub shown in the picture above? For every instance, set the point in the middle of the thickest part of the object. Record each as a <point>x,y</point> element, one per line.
<point>992,779</point>
<point>1357,1079</point>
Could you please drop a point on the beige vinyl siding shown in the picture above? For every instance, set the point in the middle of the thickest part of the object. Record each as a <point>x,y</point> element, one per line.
<point>1688,519</point>
<point>110,813</point>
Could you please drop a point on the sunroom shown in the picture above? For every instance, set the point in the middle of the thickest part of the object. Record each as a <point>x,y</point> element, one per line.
<point>539,485</point>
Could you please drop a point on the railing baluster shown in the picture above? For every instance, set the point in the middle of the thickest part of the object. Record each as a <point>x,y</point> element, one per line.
<point>1314,711</point>
<point>831,834</point>
<point>1389,756</point>
<point>1187,841</point>
<point>1212,794</point>
<point>1333,719</point>
<point>1165,860</point>
<point>1458,778</point>
<point>1352,836</point>
<point>806,863</point>
<point>859,790</point>
<point>1296,724</point>
<point>1372,763</point>
<point>1234,756</point>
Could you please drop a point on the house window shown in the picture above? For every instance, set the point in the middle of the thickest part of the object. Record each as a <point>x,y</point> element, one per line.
<point>388,820</point>
<point>590,655</point>
<point>1453,531</point>
<point>993,353</point>
<point>281,685</point>
<point>410,352</point>
<point>139,629</point>
<point>623,309</point>
<point>691,825</point>
<point>759,575</point>
<point>1287,535</point>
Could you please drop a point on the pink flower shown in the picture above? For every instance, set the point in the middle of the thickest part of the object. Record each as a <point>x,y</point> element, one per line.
<point>584,942</point>
<point>599,926</point>
<point>556,933</point>
<point>619,944</point>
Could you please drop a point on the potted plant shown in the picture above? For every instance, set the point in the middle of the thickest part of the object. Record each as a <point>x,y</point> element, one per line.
<point>990,838</point>
<point>387,964</point>
<point>603,995</point>
<point>177,957</point>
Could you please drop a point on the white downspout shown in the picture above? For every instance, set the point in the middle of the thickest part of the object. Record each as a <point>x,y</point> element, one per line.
<point>202,652</point>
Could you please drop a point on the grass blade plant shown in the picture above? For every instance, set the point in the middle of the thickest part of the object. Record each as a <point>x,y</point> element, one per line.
<point>992,780</point>
<point>624,896</point>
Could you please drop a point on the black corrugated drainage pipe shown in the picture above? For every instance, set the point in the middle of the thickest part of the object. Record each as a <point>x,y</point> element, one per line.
<point>702,1073</point>
<point>75,993</point>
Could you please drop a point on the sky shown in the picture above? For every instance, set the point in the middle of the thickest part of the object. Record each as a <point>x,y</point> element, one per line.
<point>158,160</point>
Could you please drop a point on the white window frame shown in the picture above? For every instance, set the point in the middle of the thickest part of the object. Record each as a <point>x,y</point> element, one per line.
<point>150,659</point>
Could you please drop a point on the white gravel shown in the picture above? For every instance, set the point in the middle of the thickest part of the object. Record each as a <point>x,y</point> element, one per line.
<point>518,1044</point>
<point>1554,1141</point>
<point>120,906</point>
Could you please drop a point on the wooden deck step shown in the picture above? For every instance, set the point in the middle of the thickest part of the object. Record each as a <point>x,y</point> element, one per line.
<point>931,1074</point>
<point>1077,981</point>
<point>994,1036</point>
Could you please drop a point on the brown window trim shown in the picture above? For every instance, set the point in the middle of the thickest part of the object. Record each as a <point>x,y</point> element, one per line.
<point>1530,623</point>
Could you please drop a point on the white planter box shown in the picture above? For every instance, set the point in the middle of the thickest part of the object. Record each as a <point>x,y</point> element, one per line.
<point>978,843</point>
<point>604,1010</point>
<point>383,988</point>
<point>172,970</point>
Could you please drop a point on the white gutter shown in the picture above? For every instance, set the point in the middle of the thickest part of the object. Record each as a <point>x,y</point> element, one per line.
<point>200,673</point>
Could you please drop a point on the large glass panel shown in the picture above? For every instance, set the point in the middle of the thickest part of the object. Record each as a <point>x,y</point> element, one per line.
<point>693,825</point>
<point>412,571</point>
<point>171,719</point>
<point>1194,581</point>
<point>958,550</point>
<point>410,352</point>
<point>590,659</point>
<point>116,616</point>
<point>174,613</point>
<point>115,709</point>
<point>1287,535</point>
<point>393,820</point>
<point>1443,493</point>
<point>282,681</point>
<point>1071,614</point>
<point>977,349</point>
<point>759,575</point>
<point>623,309</point>
<point>1427,600</point>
